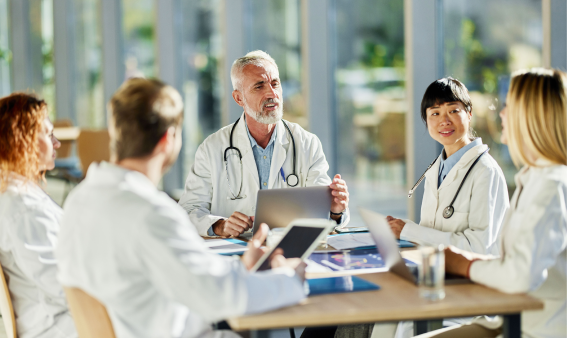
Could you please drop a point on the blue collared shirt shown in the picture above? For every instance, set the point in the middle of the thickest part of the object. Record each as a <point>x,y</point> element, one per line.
<point>263,157</point>
<point>446,165</point>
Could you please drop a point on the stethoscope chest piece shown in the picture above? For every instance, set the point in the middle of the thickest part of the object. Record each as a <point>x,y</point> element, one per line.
<point>292,180</point>
<point>448,212</point>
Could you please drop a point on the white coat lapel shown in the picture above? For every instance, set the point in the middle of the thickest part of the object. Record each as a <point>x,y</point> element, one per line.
<point>243,143</point>
<point>280,154</point>
<point>430,195</point>
<point>463,164</point>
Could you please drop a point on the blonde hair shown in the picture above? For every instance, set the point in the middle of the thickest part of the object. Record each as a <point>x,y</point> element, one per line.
<point>257,58</point>
<point>537,116</point>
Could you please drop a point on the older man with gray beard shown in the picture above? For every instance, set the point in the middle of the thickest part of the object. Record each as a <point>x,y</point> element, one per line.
<point>256,152</point>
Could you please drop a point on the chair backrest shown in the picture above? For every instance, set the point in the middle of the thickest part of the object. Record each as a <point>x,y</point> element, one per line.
<point>6,309</point>
<point>89,315</point>
<point>93,146</point>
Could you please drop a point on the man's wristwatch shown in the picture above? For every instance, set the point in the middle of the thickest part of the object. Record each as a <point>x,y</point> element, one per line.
<point>337,214</point>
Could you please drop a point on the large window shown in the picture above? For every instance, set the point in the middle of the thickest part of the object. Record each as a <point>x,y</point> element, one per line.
<point>484,41</point>
<point>89,101</point>
<point>275,27</point>
<point>371,103</point>
<point>5,53</point>
<point>138,22</point>
<point>202,90</point>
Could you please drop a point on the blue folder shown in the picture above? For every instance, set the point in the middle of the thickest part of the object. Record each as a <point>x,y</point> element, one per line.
<point>321,286</point>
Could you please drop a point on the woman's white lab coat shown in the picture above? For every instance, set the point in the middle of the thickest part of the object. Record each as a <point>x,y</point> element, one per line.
<point>29,224</point>
<point>479,207</point>
<point>207,197</point>
<point>534,249</point>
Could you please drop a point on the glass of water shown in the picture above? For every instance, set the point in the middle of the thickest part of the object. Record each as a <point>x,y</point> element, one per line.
<point>432,272</point>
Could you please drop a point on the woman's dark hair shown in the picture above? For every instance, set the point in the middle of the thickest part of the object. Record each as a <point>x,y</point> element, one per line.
<point>442,91</point>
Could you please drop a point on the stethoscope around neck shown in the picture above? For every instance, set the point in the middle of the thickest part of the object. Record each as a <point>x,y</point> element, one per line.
<point>449,210</point>
<point>292,180</point>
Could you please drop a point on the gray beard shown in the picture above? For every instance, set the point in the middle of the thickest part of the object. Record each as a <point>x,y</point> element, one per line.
<point>265,118</point>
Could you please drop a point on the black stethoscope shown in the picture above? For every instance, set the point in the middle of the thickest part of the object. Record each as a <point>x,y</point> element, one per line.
<point>448,211</point>
<point>292,180</point>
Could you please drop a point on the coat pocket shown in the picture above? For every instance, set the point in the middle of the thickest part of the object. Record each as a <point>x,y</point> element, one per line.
<point>459,222</point>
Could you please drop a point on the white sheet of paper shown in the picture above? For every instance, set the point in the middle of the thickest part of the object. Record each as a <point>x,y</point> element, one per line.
<point>222,246</point>
<point>350,241</point>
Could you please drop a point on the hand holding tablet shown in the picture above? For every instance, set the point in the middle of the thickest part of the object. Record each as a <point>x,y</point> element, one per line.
<point>299,241</point>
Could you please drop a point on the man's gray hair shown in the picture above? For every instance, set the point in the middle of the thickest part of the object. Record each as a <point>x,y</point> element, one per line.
<point>256,58</point>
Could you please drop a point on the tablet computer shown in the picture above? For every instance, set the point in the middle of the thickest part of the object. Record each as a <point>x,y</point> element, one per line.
<point>299,240</point>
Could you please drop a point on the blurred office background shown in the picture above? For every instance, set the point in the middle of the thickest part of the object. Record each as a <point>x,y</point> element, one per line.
<point>353,72</point>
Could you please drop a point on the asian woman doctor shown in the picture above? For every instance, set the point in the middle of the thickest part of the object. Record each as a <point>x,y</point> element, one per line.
<point>465,194</point>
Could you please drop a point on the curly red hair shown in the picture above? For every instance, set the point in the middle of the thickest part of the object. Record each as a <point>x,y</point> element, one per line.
<point>21,120</point>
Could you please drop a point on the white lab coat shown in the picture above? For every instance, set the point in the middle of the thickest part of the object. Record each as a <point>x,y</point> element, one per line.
<point>29,224</point>
<point>134,249</point>
<point>207,196</point>
<point>534,249</point>
<point>479,207</point>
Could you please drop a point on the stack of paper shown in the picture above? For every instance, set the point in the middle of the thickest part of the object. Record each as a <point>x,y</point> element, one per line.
<point>351,241</point>
<point>358,241</point>
<point>228,246</point>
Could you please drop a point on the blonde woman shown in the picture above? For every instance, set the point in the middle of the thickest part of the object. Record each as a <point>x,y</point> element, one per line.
<point>29,219</point>
<point>534,233</point>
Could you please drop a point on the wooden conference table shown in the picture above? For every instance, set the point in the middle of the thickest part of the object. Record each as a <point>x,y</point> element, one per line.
<point>397,300</point>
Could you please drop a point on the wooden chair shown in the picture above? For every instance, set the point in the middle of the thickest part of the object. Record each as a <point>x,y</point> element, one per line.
<point>93,146</point>
<point>6,309</point>
<point>89,315</point>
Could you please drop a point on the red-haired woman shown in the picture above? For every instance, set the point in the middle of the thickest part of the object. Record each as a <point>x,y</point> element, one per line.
<point>29,219</point>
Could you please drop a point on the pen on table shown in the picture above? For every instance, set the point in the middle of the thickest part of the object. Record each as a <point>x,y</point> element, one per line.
<point>283,176</point>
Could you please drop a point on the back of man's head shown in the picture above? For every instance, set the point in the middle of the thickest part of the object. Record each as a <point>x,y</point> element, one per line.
<point>140,113</point>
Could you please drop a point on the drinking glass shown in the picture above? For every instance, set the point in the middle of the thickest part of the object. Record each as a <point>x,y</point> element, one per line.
<point>432,272</point>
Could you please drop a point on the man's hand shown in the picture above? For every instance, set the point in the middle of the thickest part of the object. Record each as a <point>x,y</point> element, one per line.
<point>397,225</point>
<point>236,224</point>
<point>278,261</point>
<point>340,196</point>
<point>255,250</point>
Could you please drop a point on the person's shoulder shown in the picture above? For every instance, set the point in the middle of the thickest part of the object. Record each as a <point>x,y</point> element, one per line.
<point>218,135</point>
<point>552,176</point>
<point>488,164</point>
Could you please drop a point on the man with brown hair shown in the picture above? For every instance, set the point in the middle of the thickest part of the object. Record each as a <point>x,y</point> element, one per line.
<point>134,249</point>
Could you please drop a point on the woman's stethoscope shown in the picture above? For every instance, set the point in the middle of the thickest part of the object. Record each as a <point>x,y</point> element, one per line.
<point>448,211</point>
<point>292,180</point>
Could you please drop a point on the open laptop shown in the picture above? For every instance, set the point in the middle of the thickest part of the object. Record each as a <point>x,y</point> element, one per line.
<point>388,248</point>
<point>279,207</point>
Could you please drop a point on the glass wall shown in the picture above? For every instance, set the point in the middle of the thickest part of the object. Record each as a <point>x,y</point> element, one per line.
<point>88,65</point>
<point>41,20</point>
<point>202,89</point>
<point>484,41</point>
<point>275,27</point>
<point>5,53</point>
<point>371,103</point>
<point>138,23</point>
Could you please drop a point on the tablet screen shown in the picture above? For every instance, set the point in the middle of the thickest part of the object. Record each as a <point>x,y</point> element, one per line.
<point>295,243</point>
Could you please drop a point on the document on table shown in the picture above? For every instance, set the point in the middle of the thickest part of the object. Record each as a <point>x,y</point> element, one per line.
<point>357,240</point>
<point>351,241</point>
<point>228,246</point>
